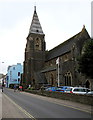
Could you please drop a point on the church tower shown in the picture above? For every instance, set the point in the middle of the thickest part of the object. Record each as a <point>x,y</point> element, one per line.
<point>34,52</point>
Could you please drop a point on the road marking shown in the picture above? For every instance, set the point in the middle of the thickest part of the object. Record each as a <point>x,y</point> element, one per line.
<point>20,108</point>
<point>63,104</point>
<point>70,106</point>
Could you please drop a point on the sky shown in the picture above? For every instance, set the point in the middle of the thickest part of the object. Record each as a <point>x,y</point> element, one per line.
<point>60,20</point>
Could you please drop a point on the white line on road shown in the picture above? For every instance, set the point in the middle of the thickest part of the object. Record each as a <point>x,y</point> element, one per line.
<point>20,108</point>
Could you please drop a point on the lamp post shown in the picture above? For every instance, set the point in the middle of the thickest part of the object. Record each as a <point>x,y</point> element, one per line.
<point>2,67</point>
<point>2,70</point>
<point>57,62</point>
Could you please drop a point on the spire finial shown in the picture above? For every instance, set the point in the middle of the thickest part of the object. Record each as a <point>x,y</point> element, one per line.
<point>83,26</point>
<point>35,9</point>
<point>83,29</point>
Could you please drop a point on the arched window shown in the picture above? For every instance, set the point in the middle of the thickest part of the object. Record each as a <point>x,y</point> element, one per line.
<point>68,79</point>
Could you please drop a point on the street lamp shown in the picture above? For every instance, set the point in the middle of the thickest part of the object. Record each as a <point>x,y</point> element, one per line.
<point>2,74</point>
<point>2,67</point>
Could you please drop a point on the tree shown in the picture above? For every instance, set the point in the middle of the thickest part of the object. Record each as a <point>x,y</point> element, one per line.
<point>85,61</point>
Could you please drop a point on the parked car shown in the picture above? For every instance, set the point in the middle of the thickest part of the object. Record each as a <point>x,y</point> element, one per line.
<point>80,90</point>
<point>68,90</point>
<point>51,89</point>
<point>90,93</point>
<point>62,88</point>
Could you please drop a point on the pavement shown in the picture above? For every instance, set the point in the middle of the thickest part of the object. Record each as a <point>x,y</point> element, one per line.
<point>11,110</point>
<point>0,104</point>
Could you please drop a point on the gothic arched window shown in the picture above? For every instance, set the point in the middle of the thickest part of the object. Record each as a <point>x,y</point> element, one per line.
<point>68,79</point>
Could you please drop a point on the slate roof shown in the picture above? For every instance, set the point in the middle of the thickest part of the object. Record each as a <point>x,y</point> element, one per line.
<point>66,46</point>
<point>49,68</point>
<point>35,25</point>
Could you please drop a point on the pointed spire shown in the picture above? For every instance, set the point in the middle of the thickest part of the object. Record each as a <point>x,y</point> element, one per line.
<point>35,25</point>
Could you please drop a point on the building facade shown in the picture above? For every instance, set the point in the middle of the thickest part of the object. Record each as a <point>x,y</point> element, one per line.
<point>40,65</point>
<point>14,75</point>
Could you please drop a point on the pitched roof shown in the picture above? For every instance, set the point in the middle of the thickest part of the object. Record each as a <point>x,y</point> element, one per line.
<point>66,45</point>
<point>35,25</point>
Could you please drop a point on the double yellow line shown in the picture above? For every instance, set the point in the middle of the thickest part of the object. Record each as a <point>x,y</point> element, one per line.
<point>20,108</point>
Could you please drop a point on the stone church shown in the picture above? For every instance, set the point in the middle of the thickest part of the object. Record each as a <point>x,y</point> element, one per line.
<point>40,65</point>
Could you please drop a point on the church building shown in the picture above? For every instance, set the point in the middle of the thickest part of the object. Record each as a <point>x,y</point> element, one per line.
<point>56,67</point>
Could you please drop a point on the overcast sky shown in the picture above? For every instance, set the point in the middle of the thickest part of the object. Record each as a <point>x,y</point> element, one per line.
<point>60,20</point>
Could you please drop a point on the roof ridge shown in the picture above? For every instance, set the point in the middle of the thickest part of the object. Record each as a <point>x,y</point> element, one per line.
<point>66,41</point>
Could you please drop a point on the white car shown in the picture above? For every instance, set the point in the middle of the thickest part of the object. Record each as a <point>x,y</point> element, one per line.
<point>80,90</point>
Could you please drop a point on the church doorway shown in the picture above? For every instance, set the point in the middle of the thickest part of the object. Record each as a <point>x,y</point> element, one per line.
<point>87,84</point>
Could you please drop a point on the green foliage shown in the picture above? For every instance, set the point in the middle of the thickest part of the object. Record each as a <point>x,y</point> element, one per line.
<point>85,61</point>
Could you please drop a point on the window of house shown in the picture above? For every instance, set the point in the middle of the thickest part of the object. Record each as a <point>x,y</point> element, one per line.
<point>13,68</point>
<point>18,73</point>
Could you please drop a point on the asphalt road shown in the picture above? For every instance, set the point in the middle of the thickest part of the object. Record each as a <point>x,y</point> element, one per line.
<point>35,106</point>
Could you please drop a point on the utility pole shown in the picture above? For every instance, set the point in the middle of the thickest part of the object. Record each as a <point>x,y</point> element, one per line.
<point>57,62</point>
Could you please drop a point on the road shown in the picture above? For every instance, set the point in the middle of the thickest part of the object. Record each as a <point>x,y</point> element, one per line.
<point>35,106</point>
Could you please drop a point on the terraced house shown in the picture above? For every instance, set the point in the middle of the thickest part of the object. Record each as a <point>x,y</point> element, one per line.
<point>40,66</point>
